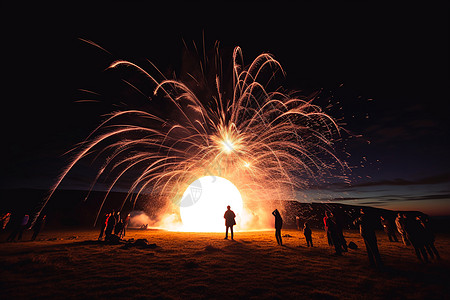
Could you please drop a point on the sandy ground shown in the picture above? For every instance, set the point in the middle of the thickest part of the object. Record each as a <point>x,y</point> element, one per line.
<point>73,265</point>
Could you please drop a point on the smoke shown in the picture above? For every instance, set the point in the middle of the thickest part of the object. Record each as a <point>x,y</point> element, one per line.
<point>139,218</point>
<point>157,215</point>
<point>170,222</point>
<point>256,215</point>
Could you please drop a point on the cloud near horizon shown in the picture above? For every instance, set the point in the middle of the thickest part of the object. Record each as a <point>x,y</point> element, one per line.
<point>435,179</point>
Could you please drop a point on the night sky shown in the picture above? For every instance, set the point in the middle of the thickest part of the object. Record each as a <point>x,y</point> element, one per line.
<point>385,69</point>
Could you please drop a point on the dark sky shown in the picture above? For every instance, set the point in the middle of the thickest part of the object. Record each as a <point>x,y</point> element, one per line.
<point>386,68</point>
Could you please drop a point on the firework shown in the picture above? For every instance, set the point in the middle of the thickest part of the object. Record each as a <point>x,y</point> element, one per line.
<point>266,142</point>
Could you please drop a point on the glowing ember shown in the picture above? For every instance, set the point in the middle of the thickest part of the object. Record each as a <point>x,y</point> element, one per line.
<point>210,196</point>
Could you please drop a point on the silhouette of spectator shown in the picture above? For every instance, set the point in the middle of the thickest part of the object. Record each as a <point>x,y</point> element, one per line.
<point>118,229</point>
<point>117,216</point>
<point>278,225</point>
<point>429,237</point>
<point>332,232</point>
<point>400,222</point>
<point>103,226</point>
<point>15,227</point>
<point>339,220</point>
<point>5,220</point>
<point>325,219</point>
<point>308,235</point>
<point>38,225</point>
<point>367,232</point>
<point>388,229</point>
<point>110,225</point>
<point>23,226</point>
<point>416,235</point>
<point>297,222</point>
<point>18,229</point>
<point>229,217</point>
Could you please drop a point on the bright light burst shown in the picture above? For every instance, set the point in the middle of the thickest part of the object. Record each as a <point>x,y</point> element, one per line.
<point>265,142</point>
<point>206,214</point>
<point>227,145</point>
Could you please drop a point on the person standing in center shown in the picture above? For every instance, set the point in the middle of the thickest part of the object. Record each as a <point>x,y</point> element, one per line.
<point>278,225</point>
<point>230,221</point>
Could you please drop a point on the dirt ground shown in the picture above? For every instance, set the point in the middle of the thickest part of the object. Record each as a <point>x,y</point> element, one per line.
<point>73,265</point>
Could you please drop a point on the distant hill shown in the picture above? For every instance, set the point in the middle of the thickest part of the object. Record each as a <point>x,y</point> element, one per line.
<point>66,207</point>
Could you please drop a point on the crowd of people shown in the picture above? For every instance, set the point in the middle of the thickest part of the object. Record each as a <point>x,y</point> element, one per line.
<point>19,224</point>
<point>414,231</point>
<point>113,227</point>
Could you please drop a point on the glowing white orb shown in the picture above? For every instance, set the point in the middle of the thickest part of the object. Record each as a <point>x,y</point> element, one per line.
<point>205,201</point>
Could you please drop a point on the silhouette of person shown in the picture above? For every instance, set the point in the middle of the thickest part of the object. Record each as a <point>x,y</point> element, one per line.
<point>103,226</point>
<point>400,222</point>
<point>23,226</point>
<point>118,230</point>
<point>110,225</point>
<point>367,232</point>
<point>332,233</point>
<point>278,225</point>
<point>117,216</point>
<point>416,235</point>
<point>308,235</point>
<point>229,217</point>
<point>429,237</point>
<point>325,219</point>
<point>18,228</point>
<point>339,220</point>
<point>38,227</point>
<point>387,227</point>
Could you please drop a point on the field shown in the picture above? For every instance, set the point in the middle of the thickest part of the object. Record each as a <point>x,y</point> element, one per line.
<point>73,265</point>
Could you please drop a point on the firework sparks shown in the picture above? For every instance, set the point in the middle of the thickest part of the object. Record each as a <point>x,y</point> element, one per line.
<point>265,142</point>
